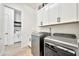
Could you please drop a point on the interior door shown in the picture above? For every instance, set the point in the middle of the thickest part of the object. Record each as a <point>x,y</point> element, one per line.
<point>8,25</point>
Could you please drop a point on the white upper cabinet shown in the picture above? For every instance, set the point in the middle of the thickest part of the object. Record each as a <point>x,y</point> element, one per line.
<point>39,18</point>
<point>45,17</point>
<point>53,14</point>
<point>56,13</point>
<point>42,17</point>
<point>68,12</point>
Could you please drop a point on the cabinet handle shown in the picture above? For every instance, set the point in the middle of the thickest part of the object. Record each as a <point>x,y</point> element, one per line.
<point>41,23</point>
<point>6,33</point>
<point>0,38</point>
<point>58,19</point>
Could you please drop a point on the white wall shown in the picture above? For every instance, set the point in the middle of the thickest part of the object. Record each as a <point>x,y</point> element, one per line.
<point>28,21</point>
<point>63,28</point>
<point>1,18</point>
<point>72,28</point>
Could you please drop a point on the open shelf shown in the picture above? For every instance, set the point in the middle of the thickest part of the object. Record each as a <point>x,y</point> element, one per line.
<point>17,22</point>
<point>17,25</point>
<point>59,23</point>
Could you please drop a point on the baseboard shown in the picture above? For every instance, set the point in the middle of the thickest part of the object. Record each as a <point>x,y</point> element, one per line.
<point>9,44</point>
<point>17,42</point>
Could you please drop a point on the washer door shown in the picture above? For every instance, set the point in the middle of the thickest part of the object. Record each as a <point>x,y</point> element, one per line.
<point>50,50</point>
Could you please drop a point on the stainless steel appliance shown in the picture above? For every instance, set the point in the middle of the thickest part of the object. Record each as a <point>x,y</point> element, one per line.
<point>37,43</point>
<point>61,44</point>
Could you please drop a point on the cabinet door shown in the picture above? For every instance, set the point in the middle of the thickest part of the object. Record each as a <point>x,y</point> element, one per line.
<point>53,14</point>
<point>45,16</point>
<point>68,12</point>
<point>39,18</point>
<point>42,17</point>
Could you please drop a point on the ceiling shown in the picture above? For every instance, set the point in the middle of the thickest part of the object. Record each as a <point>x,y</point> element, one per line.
<point>33,5</point>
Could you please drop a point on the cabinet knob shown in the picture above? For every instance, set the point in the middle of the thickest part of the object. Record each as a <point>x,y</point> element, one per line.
<point>41,23</point>
<point>0,38</point>
<point>58,19</point>
<point>6,33</point>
